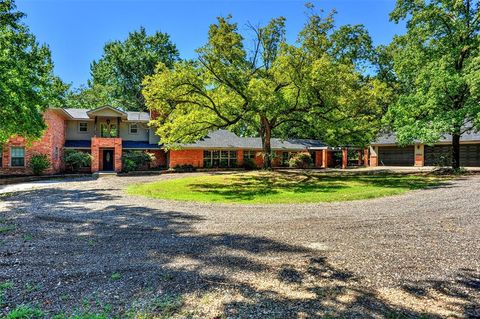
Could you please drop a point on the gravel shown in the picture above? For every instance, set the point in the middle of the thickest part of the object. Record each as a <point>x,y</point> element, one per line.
<point>408,255</point>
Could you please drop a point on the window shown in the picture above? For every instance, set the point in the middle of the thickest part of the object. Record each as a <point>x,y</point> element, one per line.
<point>134,128</point>
<point>113,130</point>
<point>249,155</point>
<point>285,158</point>
<point>17,156</point>
<point>219,159</point>
<point>83,127</point>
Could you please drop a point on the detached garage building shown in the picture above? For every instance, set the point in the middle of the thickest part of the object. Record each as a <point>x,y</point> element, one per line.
<point>386,152</point>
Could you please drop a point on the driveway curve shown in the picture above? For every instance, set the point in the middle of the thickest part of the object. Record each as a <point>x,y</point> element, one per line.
<point>409,255</point>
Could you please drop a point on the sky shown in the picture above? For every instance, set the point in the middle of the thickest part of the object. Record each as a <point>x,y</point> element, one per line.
<point>76,30</point>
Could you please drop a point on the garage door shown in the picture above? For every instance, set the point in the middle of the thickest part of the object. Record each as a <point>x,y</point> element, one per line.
<point>442,155</point>
<point>396,156</point>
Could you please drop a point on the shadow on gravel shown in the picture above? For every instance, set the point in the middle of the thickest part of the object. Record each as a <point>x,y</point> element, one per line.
<point>88,253</point>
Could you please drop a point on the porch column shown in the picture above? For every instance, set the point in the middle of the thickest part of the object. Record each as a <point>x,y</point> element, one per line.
<point>344,158</point>
<point>367,155</point>
<point>374,156</point>
<point>324,159</point>
<point>419,155</point>
<point>360,155</point>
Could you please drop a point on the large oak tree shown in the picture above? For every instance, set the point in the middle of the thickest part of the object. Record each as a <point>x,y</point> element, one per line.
<point>270,88</point>
<point>437,69</point>
<point>27,83</point>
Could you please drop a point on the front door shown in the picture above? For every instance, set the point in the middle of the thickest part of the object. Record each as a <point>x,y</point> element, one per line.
<point>108,160</point>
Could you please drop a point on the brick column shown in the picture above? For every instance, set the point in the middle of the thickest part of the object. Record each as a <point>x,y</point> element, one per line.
<point>419,155</point>
<point>118,154</point>
<point>367,155</point>
<point>360,154</point>
<point>318,158</point>
<point>324,159</point>
<point>373,156</point>
<point>344,158</point>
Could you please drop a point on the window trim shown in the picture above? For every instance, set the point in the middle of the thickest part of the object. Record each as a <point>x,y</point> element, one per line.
<point>79,125</point>
<point>11,157</point>
<point>130,128</point>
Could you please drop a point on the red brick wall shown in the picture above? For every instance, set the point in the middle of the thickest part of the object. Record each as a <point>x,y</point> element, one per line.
<point>160,158</point>
<point>51,144</point>
<point>373,160</point>
<point>186,157</point>
<point>99,143</point>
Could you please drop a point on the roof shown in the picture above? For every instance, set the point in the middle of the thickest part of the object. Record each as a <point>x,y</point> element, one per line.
<point>139,145</point>
<point>82,114</point>
<point>390,138</point>
<point>227,139</point>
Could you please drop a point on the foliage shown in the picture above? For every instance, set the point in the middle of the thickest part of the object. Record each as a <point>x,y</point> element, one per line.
<point>77,159</point>
<point>184,168</point>
<point>117,76</point>
<point>39,163</point>
<point>282,187</point>
<point>314,88</point>
<point>133,160</point>
<point>300,160</point>
<point>27,83</point>
<point>249,164</point>
<point>25,312</point>
<point>437,69</point>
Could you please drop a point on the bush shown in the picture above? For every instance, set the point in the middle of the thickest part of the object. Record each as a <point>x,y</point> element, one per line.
<point>300,160</point>
<point>77,159</point>
<point>134,160</point>
<point>184,168</point>
<point>39,163</point>
<point>249,164</point>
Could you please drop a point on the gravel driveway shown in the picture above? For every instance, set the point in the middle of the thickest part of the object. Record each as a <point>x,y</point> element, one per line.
<point>88,245</point>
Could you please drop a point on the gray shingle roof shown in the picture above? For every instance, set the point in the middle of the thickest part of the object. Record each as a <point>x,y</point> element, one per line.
<point>389,138</point>
<point>81,114</point>
<point>227,139</point>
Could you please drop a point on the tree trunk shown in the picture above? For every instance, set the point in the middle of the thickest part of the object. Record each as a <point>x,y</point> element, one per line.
<point>266,134</point>
<point>456,150</point>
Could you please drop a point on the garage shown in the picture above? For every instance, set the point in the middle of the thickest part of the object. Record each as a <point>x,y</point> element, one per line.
<point>396,156</point>
<point>441,155</point>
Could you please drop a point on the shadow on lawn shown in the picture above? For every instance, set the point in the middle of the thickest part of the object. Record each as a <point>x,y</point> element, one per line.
<point>248,187</point>
<point>80,240</point>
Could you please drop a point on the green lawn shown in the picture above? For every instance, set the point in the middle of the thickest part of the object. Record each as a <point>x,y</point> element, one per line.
<point>282,187</point>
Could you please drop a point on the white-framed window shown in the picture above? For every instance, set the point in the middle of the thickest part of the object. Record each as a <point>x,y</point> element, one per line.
<point>83,127</point>
<point>17,156</point>
<point>249,155</point>
<point>133,128</point>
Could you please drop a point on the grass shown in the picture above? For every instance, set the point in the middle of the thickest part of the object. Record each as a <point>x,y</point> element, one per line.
<point>25,312</point>
<point>116,276</point>
<point>282,187</point>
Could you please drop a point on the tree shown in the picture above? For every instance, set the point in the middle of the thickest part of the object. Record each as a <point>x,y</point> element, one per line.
<point>27,83</point>
<point>312,86</point>
<point>117,76</point>
<point>437,69</point>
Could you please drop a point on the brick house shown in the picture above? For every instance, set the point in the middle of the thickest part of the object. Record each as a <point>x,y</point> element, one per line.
<point>107,133</point>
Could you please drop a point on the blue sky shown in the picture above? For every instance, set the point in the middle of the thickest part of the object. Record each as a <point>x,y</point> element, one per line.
<point>76,30</point>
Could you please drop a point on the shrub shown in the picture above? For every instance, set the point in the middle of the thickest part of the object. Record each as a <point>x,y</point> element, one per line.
<point>133,160</point>
<point>128,165</point>
<point>300,160</point>
<point>249,164</point>
<point>77,159</point>
<point>39,163</point>
<point>184,168</point>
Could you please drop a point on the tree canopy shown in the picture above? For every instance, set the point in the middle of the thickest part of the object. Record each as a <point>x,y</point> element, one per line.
<point>314,87</point>
<point>27,83</point>
<point>436,66</point>
<point>117,76</point>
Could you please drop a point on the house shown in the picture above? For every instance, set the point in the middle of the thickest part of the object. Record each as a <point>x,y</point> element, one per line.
<point>385,151</point>
<point>107,133</point>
